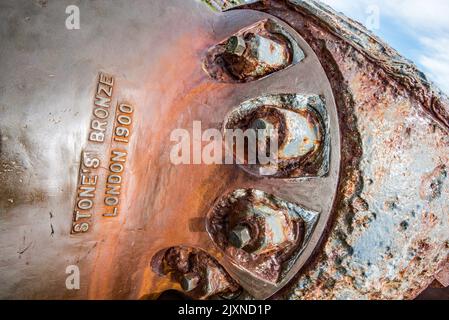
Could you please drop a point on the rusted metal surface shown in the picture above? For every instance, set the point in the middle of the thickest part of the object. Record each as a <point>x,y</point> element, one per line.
<point>390,235</point>
<point>378,52</point>
<point>278,232</point>
<point>197,273</point>
<point>253,53</point>
<point>162,205</point>
<point>303,134</point>
<point>377,183</point>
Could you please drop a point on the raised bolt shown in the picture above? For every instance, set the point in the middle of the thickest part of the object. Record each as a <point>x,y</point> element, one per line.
<point>260,124</point>
<point>240,237</point>
<point>189,282</point>
<point>236,45</point>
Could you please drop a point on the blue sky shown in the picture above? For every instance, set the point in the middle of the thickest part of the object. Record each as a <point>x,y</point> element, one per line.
<point>418,29</point>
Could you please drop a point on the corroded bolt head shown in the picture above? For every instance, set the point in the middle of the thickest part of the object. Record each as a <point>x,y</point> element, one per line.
<point>189,282</point>
<point>260,124</point>
<point>240,237</point>
<point>236,45</point>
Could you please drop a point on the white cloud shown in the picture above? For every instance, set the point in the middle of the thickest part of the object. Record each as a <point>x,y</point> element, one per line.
<point>436,61</point>
<point>415,14</point>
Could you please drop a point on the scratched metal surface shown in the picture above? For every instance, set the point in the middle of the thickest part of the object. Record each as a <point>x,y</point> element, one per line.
<point>390,235</point>
<point>389,238</point>
<point>154,50</point>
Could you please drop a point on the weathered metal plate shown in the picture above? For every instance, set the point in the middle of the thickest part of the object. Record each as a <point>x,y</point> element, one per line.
<point>389,239</point>
<point>148,57</point>
<point>388,233</point>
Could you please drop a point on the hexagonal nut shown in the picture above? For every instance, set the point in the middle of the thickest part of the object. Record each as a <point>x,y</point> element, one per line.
<point>236,45</point>
<point>190,282</point>
<point>240,237</point>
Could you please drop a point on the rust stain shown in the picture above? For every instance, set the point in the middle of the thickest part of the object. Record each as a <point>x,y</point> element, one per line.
<point>180,104</point>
